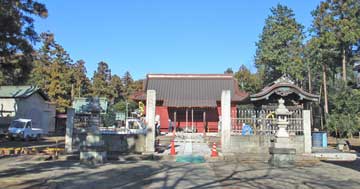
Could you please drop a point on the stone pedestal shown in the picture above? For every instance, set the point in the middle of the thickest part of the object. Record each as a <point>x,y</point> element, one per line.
<point>282,157</point>
<point>93,150</point>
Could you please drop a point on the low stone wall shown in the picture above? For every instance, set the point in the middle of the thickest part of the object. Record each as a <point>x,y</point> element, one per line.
<point>260,144</point>
<point>126,143</point>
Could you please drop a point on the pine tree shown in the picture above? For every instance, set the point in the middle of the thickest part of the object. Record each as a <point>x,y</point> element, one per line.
<point>17,34</point>
<point>280,48</point>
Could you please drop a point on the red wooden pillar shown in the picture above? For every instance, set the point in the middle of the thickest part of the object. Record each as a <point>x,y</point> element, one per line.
<point>174,125</point>
<point>204,122</point>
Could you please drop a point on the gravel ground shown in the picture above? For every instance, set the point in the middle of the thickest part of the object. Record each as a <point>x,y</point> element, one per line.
<point>31,172</point>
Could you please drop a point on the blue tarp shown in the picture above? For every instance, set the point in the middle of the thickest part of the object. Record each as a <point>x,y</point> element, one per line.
<point>247,130</point>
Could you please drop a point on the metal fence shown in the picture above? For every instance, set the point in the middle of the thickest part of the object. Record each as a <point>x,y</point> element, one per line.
<point>263,122</point>
<point>85,122</point>
<point>121,131</point>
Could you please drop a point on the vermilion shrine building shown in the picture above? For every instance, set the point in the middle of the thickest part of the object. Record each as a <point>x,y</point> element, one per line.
<point>191,100</point>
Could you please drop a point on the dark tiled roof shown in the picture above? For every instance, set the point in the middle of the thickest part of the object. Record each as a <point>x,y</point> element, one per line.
<point>283,88</point>
<point>187,90</point>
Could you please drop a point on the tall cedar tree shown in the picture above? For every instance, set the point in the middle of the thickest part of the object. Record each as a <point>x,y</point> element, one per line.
<point>280,48</point>
<point>127,81</point>
<point>52,72</point>
<point>101,82</point>
<point>117,86</point>
<point>81,83</point>
<point>338,21</point>
<point>17,34</point>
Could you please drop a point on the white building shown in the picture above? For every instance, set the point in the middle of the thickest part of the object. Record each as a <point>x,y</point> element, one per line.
<point>26,102</point>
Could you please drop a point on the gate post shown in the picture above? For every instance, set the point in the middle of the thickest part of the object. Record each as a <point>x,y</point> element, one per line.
<point>69,130</point>
<point>150,120</point>
<point>307,131</point>
<point>225,121</point>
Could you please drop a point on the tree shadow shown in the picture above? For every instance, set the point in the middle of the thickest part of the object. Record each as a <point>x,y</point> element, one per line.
<point>250,176</point>
<point>72,174</point>
<point>169,174</point>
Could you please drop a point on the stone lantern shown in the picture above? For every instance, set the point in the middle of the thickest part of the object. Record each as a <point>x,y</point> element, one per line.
<point>282,115</point>
<point>93,149</point>
<point>282,152</point>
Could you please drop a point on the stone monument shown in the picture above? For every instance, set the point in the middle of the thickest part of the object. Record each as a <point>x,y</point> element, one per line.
<point>93,149</point>
<point>282,152</point>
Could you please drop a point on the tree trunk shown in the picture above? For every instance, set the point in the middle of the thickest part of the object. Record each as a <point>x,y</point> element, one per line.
<point>309,77</point>
<point>325,89</point>
<point>321,112</point>
<point>343,64</point>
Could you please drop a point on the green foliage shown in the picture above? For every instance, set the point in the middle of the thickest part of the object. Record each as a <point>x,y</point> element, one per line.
<point>109,119</point>
<point>247,81</point>
<point>117,86</point>
<point>337,28</point>
<point>17,33</point>
<point>121,106</point>
<point>136,86</point>
<point>81,82</point>
<point>344,115</point>
<point>101,82</point>
<point>280,48</point>
<point>52,72</point>
<point>228,71</point>
<point>130,86</point>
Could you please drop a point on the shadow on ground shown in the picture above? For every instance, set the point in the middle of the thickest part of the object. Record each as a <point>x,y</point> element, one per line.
<point>166,174</point>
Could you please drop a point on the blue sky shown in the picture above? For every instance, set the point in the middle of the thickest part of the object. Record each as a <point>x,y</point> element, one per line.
<point>163,36</point>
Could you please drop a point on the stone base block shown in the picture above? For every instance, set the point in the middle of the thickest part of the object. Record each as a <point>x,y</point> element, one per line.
<point>282,157</point>
<point>93,157</point>
<point>94,140</point>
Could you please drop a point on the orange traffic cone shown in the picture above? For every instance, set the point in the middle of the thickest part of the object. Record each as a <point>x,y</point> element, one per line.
<point>172,150</point>
<point>214,152</point>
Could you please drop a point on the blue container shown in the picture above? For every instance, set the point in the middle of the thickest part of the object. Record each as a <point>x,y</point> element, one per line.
<point>319,139</point>
<point>324,140</point>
